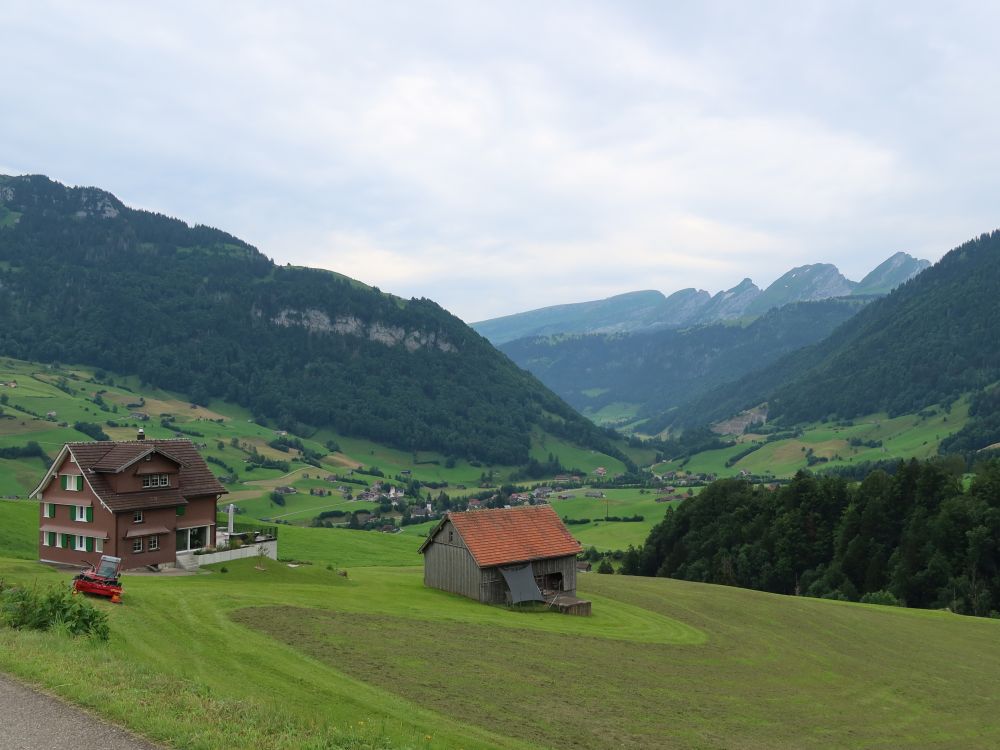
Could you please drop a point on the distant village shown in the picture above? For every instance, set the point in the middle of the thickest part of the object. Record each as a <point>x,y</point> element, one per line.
<point>403,501</point>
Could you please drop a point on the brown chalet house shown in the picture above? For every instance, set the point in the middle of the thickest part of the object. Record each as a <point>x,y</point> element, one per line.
<point>144,501</point>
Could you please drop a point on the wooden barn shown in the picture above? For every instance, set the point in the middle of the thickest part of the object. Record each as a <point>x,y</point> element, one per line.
<point>505,556</point>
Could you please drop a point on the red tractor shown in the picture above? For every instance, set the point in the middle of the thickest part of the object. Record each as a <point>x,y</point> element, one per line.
<point>101,580</point>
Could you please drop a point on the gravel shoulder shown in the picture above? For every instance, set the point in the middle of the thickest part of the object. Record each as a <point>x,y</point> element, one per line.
<point>30,720</point>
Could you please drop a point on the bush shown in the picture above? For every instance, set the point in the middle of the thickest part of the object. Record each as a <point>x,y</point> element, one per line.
<point>223,569</point>
<point>886,598</point>
<point>54,608</point>
<point>605,566</point>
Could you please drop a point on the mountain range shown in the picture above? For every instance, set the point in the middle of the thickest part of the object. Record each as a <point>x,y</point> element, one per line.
<point>928,342</point>
<point>85,279</point>
<point>616,378</point>
<point>648,310</point>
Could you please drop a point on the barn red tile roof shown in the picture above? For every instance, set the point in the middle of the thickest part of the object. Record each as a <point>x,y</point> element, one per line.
<point>99,458</point>
<point>503,536</point>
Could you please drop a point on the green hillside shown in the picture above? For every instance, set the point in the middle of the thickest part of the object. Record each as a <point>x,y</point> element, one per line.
<point>85,279</point>
<point>658,370</point>
<point>303,658</point>
<point>929,342</point>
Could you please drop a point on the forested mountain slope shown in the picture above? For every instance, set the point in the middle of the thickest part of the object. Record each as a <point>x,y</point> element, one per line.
<point>658,370</point>
<point>85,279</point>
<point>929,341</point>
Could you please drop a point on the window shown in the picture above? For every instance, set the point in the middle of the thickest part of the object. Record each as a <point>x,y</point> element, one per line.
<point>137,517</point>
<point>83,513</point>
<point>80,543</point>
<point>71,482</point>
<point>137,545</point>
<point>48,510</point>
<point>47,538</point>
<point>99,545</point>
<point>154,543</point>
<point>155,480</point>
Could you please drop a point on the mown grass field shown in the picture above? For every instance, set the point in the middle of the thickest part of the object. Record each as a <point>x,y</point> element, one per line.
<point>612,535</point>
<point>302,657</point>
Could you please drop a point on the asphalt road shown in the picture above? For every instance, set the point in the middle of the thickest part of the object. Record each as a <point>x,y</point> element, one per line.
<point>30,720</point>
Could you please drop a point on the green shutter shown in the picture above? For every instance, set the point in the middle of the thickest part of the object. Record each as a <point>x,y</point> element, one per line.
<point>64,481</point>
<point>52,538</point>
<point>66,542</point>
<point>90,514</point>
<point>90,544</point>
<point>180,510</point>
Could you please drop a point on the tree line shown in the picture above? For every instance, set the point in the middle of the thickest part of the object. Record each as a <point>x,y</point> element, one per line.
<point>916,538</point>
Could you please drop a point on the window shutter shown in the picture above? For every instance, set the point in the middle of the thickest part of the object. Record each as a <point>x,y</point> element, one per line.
<point>79,482</point>
<point>64,481</point>
<point>90,544</point>
<point>52,538</point>
<point>180,510</point>
<point>66,541</point>
<point>90,514</point>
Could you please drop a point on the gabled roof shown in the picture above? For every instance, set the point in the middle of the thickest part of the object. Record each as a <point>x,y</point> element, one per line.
<point>99,460</point>
<point>504,536</point>
<point>124,454</point>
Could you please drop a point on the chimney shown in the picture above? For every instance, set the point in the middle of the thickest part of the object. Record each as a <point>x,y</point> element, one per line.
<point>141,435</point>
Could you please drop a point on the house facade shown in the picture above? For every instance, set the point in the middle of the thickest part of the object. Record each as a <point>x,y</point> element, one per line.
<point>144,501</point>
<point>502,555</point>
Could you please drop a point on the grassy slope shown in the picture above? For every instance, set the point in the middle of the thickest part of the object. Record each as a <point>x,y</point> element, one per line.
<point>906,436</point>
<point>18,529</point>
<point>660,664</point>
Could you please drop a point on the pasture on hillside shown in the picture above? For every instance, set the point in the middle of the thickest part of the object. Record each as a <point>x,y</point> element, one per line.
<point>876,437</point>
<point>294,657</point>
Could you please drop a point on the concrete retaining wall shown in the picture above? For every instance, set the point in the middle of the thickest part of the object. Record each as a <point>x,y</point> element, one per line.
<point>250,550</point>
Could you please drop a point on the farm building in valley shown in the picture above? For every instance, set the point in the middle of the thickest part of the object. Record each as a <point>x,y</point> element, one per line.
<point>144,501</point>
<point>505,556</point>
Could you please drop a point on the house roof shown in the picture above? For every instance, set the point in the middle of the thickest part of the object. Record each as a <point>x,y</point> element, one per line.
<point>503,536</point>
<point>98,460</point>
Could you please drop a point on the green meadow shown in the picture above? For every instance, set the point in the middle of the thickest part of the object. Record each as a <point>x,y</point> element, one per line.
<point>876,437</point>
<point>303,657</point>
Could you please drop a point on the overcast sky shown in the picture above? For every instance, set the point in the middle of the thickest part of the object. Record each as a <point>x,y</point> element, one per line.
<point>498,157</point>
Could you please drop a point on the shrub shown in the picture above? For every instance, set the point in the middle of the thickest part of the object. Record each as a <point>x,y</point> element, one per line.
<point>56,607</point>
<point>886,598</point>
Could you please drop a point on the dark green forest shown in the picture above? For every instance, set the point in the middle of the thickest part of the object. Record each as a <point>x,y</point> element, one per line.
<point>665,368</point>
<point>911,538</point>
<point>928,342</point>
<point>84,279</point>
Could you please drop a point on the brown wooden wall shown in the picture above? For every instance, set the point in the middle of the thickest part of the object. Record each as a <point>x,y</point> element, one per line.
<point>449,565</point>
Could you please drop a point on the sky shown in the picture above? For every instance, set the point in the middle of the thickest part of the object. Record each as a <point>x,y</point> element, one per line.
<point>500,157</point>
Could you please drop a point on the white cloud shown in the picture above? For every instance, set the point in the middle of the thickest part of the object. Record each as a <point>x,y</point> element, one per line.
<point>499,158</point>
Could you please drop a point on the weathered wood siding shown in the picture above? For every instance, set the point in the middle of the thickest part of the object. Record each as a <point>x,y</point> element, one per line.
<point>495,590</point>
<point>448,564</point>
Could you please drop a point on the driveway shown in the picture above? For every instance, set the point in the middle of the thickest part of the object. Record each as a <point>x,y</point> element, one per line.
<point>30,720</point>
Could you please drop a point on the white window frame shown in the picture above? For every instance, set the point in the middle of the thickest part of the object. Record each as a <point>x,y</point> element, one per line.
<point>45,539</point>
<point>98,544</point>
<point>74,483</point>
<point>153,544</point>
<point>152,481</point>
<point>48,510</point>
<point>137,545</point>
<point>80,543</point>
<point>80,514</point>
<point>137,517</point>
